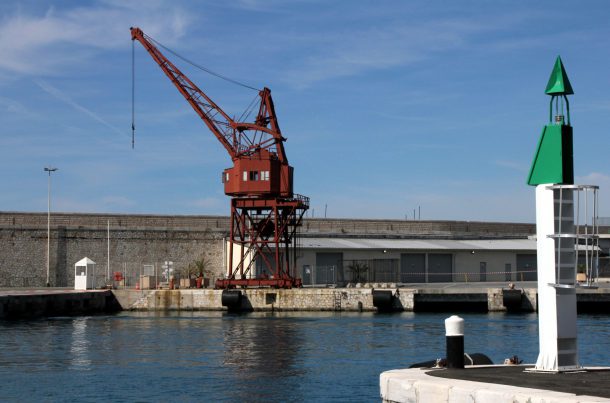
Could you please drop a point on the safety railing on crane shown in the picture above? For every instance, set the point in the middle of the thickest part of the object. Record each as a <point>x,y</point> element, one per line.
<point>303,199</point>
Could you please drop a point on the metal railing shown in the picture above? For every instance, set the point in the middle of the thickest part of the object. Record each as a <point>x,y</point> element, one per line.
<point>325,276</point>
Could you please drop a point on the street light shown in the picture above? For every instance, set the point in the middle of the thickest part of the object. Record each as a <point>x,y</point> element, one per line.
<point>49,170</point>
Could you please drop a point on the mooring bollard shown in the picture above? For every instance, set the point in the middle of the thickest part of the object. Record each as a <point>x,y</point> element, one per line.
<point>454,335</point>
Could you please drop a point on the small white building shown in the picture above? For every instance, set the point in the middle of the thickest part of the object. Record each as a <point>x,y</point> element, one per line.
<point>84,274</point>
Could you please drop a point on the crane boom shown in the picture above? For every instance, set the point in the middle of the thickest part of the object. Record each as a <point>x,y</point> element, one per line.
<point>238,138</point>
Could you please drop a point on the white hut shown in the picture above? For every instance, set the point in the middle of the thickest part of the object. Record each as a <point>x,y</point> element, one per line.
<point>84,274</point>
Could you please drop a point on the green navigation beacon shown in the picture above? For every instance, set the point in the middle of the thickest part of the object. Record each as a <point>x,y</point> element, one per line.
<point>553,162</point>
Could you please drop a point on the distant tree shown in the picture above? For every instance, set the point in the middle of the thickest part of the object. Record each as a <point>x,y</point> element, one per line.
<point>358,270</point>
<point>199,267</point>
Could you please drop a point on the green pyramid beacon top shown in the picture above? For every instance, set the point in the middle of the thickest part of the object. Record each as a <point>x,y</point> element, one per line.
<point>559,84</point>
<point>553,162</point>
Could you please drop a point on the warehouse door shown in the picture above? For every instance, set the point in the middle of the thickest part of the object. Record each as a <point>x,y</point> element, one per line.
<point>482,271</point>
<point>526,267</point>
<point>440,268</point>
<point>307,275</point>
<point>412,267</point>
<point>329,268</point>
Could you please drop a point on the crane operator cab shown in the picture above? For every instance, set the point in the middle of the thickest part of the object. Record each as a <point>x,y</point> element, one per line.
<point>260,174</point>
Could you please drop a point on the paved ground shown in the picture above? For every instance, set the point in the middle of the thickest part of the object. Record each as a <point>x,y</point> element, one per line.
<point>590,383</point>
<point>603,284</point>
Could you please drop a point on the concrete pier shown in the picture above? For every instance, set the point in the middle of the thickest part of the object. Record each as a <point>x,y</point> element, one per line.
<point>493,384</point>
<point>323,299</point>
<point>439,297</point>
<point>447,297</point>
<point>29,304</point>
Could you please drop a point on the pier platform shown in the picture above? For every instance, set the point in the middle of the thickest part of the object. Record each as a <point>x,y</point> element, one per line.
<point>494,384</point>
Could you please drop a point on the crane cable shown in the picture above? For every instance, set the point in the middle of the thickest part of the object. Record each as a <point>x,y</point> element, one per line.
<point>249,109</point>
<point>201,67</point>
<point>246,113</point>
<point>133,95</point>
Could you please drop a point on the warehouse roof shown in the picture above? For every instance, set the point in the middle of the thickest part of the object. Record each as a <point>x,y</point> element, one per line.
<point>418,244</point>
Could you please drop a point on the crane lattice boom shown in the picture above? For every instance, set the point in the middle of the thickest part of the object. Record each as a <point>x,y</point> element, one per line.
<point>256,148</point>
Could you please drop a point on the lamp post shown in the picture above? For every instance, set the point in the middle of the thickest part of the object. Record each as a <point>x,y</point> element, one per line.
<point>49,170</point>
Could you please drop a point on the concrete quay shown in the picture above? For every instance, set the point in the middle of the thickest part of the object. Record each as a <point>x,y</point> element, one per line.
<point>442,297</point>
<point>439,297</point>
<point>36,303</point>
<point>493,384</point>
<point>330,299</point>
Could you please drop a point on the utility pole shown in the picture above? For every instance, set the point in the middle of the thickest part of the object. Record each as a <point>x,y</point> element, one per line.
<point>49,170</point>
<point>108,253</point>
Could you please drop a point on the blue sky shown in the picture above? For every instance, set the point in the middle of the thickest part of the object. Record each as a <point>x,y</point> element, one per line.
<point>387,105</point>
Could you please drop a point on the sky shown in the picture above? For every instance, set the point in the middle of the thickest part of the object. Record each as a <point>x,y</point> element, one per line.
<point>391,109</point>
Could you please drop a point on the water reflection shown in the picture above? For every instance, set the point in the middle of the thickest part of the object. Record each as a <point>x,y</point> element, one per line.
<point>79,348</point>
<point>260,349</point>
<point>253,357</point>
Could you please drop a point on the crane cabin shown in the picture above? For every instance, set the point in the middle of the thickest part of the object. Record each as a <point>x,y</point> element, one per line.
<point>259,175</point>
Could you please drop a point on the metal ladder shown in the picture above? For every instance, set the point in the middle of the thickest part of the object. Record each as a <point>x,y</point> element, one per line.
<point>337,298</point>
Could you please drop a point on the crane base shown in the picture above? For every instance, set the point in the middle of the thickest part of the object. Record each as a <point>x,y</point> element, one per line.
<point>259,283</point>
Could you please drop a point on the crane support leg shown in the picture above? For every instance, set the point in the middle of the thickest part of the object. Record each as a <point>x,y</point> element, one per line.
<point>264,235</point>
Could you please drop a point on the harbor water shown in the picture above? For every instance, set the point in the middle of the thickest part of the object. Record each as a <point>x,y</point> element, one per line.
<point>254,357</point>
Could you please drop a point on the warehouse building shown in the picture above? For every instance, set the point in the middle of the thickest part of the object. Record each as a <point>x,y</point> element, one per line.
<point>341,261</point>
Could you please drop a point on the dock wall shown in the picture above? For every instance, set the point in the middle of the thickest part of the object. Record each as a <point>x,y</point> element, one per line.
<point>326,299</point>
<point>29,305</point>
<point>15,304</point>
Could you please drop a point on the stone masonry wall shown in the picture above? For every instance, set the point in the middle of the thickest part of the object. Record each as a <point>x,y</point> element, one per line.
<point>23,252</point>
<point>137,240</point>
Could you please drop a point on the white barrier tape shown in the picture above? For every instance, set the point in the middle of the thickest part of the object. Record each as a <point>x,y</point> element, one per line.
<point>468,273</point>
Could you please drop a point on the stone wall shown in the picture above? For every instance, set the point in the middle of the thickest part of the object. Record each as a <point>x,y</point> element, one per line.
<point>261,299</point>
<point>30,305</point>
<point>335,299</point>
<point>23,251</point>
<point>137,240</point>
<point>311,226</point>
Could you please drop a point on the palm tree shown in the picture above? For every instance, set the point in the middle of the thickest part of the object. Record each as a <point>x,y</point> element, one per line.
<point>358,270</point>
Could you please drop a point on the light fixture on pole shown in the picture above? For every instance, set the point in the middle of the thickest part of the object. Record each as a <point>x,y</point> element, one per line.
<point>49,170</point>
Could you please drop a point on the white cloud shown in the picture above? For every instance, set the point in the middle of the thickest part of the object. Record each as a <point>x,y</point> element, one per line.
<point>13,107</point>
<point>347,54</point>
<point>515,165</point>
<point>48,88</point>
<point>594,178</point>
<point>41,44</point>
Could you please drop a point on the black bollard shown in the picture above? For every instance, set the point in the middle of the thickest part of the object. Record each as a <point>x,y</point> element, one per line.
<point>454,335</point>
<point>231,299</point>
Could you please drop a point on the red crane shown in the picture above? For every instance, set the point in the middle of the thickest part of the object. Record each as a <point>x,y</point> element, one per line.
<point>265,212</point>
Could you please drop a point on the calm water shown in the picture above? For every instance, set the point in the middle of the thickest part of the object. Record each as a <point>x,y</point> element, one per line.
<point>251,357</point>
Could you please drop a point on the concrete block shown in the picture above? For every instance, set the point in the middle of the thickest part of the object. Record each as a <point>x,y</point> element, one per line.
<point>396,386</point>
<point>415,386</point>
<point>460,395</point>
<point>495,301</point>
<point>432,392</point>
